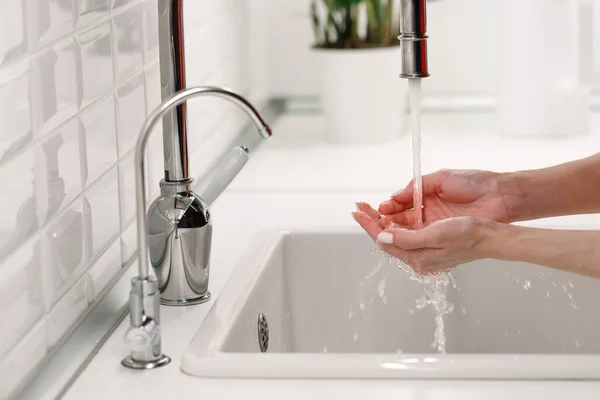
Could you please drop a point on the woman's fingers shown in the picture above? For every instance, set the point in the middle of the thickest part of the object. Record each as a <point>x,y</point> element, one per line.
<point>392,206</point>
<point>403,199</point>
<point>405,218</point>
<point>425,238</point>
<point>368,224</point>
<point>405,195</point>
<point>367,209</point>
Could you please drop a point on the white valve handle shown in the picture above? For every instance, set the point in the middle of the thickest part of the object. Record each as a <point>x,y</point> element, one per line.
<point>224,174</point>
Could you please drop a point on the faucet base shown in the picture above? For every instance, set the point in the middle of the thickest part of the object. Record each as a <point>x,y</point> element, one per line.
<point>134,364</point>
<point>188,302</point>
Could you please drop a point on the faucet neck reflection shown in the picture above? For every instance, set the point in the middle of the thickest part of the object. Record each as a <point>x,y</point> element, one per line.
<point>172,76</point>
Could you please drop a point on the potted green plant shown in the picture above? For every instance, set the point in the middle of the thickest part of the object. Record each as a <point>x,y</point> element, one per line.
<point>357,60</point>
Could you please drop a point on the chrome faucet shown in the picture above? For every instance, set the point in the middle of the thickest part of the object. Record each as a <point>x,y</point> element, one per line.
<point>177,234</point>
<point>179,226</point>
<point>413,38</point>
<point>176,231</point>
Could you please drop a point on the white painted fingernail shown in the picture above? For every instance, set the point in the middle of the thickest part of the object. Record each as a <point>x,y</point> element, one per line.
<point>397,193</point>
<point>356,205</point>
<point>385,237</point>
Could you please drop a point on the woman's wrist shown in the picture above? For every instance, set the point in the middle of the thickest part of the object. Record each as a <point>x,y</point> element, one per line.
<point>514,187</point>
<point>494,239</point>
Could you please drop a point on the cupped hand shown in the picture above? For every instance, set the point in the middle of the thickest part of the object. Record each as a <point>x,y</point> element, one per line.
<point>439,246</point>
<point>453,193</point>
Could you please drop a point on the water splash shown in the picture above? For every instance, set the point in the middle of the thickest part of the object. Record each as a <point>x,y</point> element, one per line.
<point>434,295</point>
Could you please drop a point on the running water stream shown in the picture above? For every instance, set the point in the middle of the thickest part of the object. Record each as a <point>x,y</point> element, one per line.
<point>435,286</point>
<point>415,117</point>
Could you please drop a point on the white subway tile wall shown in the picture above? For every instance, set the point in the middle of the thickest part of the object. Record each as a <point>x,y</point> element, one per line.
<point>77,79</point>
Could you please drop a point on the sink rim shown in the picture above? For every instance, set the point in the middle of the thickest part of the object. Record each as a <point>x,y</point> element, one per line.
<point>203,358</point>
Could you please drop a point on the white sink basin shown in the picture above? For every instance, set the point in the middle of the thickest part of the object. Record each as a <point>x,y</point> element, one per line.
<point>334,311</point>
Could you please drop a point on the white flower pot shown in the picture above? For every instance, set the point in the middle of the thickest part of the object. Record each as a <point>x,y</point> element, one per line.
<point>362,96</point>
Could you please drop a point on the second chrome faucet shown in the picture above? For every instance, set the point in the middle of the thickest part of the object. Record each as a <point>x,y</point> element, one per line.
<point>179,222</point>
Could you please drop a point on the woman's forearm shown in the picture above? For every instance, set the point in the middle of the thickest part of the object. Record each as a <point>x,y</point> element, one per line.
<point>568,250</point>
<point>565,189</point>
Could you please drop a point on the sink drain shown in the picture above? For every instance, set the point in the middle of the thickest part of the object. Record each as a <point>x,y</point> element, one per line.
<point>263,332</point>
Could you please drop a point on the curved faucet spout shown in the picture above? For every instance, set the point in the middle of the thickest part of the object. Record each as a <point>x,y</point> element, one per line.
<point>189,222</point>
<point>140,187</point>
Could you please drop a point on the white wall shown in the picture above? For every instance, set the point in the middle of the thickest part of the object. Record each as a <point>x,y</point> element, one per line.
<point>464,46</point>
<point>77,79</point>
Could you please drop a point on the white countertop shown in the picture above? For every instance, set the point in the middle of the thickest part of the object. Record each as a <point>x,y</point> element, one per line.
<point>296,180</point>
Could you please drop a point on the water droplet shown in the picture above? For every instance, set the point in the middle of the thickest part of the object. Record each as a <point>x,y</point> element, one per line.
<point>505,333</point>
<point>477,320</point>
<point>554,284</point>
<point>325,349</point>
<point>573,304</point>
<point>527,285</point>
<point>355,337</point>
<point>547,294</point>
<point>570,282</point>
<point>411,311</point>
<point>454,284</point>
<point>564,288</point>
<point>463,310</point>
<point>381,288</point>
<point>350,313</point>
<point>517,280</point>
<point>577,344</point>
<point>361,306</point>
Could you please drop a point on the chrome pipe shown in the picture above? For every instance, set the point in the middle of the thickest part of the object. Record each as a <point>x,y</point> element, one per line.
<point>413,38</point>
<point>172,76</point>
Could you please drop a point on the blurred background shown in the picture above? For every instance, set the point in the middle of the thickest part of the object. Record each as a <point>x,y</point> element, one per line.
<point>514,84</point>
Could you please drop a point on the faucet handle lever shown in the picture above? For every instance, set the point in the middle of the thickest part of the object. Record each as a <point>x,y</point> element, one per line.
<point>224,174</point>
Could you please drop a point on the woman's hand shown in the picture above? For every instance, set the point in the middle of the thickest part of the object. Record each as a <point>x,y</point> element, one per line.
<point>454,193</point>
<point>437,247</point>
